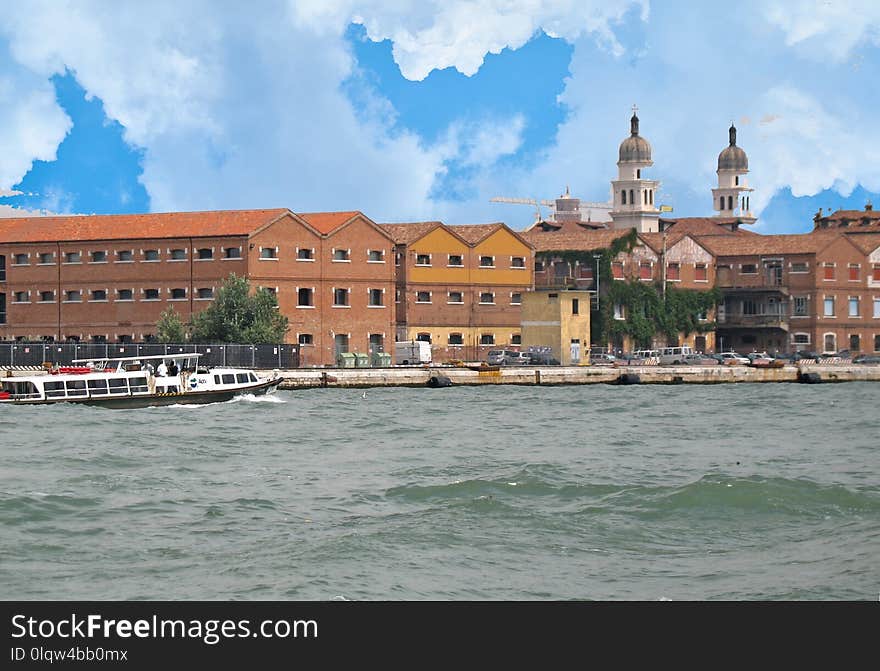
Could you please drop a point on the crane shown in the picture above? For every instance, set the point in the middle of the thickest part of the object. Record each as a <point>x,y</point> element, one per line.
<point>526,201</point>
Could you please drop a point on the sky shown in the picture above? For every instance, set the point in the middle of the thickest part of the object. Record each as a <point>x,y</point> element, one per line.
<point>413,110</point>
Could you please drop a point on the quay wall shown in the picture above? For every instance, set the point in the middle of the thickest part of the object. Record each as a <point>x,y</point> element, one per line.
<point>557,375</point>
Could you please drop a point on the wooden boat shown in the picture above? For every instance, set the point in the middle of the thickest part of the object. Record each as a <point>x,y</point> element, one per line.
<point>484,367</point>
<point>132,382</point>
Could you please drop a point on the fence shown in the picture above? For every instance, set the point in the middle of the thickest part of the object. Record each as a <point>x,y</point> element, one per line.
<point>24,354</point>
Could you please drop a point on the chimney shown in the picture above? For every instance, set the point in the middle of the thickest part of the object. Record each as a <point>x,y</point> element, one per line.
<point>868,206</point>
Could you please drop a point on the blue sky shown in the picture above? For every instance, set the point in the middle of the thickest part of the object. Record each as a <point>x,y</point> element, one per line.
<point>426,110</point>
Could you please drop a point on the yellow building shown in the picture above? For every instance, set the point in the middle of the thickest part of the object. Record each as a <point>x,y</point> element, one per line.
<point>460,287</point>
<point>559,320</point>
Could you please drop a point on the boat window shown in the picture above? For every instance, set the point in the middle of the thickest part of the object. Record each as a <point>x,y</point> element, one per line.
<point>252,377</point>
<point>76,387</point>
<point>54,389</point>
<point>118,386</point>
<point>97,387</point>
<point>241,377</point>
<point>137,385</point>
<point>216,379</point>
<point>229,379</point>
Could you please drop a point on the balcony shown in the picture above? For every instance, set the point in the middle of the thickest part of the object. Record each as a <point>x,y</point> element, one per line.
<point>758,321</point>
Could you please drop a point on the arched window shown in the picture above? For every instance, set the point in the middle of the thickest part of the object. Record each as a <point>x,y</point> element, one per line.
<point>623,196</point>
<point>644,196</point>
<point>736,180</point>
<point>721,203</point>
<point>632,198</point>
<point>748,198</point>
<point>638,173</point>
<point>730,202</point>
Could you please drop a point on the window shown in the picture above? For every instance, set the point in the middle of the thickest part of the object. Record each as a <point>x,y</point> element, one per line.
<point>268,290</point>
<point>75,387</point>
<point>268,253</point>
<point>623,197</point>
<point>854,306</point>
<point>151,255</point>
<point>877,308</point>
<point>304,298</point>
<point>341,255</point>
<point>46,258</point>
<point>47,297</point>
<point>306,339</point>
<point>455,339</point>
<point>455,260</point>
<point>487,262</point>
<point>304,254</point>
<point>455,297</point>
<point>20,259</point>
<point>72,257</point>
<point>151,294</point>
<point>228,379</point>
<point>2,308</point>
<point>877,343</point>
<point>586,272</point>
<point>701,273</point>
<point>516,339</point>
<point>644,270</point>
<point>575,306</point>
<point>376,297</point>
<point>124,295</point>
<point>799,308</point>
<point>487,298</point>
<point>21,297</point>
<point>539,266</point>
<point>875,274</point>
<point>205,254</point>
<point>97,387</point>
<point>855,343</point>
<point>799,267</point>
<point>487,339</point>
<point>673,272</point>
<point>516,299</point>
<point>117,386</point>
<point>73,296</point>
<point>397,258</point>
<point>125,256</point>
<point>829,306</point>
<point>617,270</point>
<point>730,202</point>
<point>423,297</point>
<point>232,252</point>
<point>340,297</point>
<point>377,342</point>
<point>423,259</point>
<point>205,293</point>
<point>518,262</point>
<point>619,311</point>
<point>178,294</point>
<point>375,256</point>
<point>830,342</point>
<point>99,295</point>
<point>828,271</point>
<point>423,337</point>
<point>749,269</point>
<point>854,272</point>
<point>178,255</point>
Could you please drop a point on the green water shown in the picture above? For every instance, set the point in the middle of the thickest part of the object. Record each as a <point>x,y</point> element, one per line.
<point>584,492</point>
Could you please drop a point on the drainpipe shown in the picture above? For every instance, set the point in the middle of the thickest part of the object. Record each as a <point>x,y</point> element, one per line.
<point>58,291</point>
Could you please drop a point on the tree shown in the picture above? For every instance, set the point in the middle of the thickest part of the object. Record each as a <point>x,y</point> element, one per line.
<point>237,316</point>
<point>170,328</point>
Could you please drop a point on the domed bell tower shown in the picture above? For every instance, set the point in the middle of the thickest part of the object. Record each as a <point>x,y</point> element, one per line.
<point>731,197</point>
<point>633,193</point>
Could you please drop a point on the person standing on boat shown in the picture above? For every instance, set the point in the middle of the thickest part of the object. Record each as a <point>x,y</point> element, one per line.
<point>172,369</point>
<point>162,369</point>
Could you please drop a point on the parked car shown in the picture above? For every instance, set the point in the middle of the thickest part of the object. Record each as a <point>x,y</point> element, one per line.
<point>517,359</point>
<point>697,359</point>
<point>495,357</point>
<point>867,359</point>
<point>602,359</point>
<point>805,354</point>
<point>733,359</point>
<point>630,360</point>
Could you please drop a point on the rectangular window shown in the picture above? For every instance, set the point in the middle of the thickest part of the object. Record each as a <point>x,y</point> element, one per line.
<point>73,296</point>
<point>539,266</point>
<point>268,253</point>
<point>99,295</point>
<point>644,271</point>
<point>875,272</point>
<point>375,256</point>
<point>619,311</point>
<point>231,252</point>
<point>487,339</point>
<point>799,306</point>
<point>205,293</point>
<point>47,296</point>
<point>304,297</point>
<point>799,267</point>
<point>701,273</point>
<point>125,256</point>
<point>151,294</point>
<point>617,270</point>
<point>340,297</point>
<point>125,295</point>
<point>516,339</point>
<point>487,262</point>
<point>118,386</point>
<point>151,255</point>
<point>423,259</point>
<point>20,259</point>
<point>99,257</point>
<point>854,306</point>
<point>575,306</point>
<point>455,297</point>
<point>72,257</point>
<point>455,339</point>
<point>423,297</point>
<point>306,339</point>
<point>455,261</point>
<point>228,379</point>
<point>673,272</point>
<point>305,254</point>
<point>877,343</point>
<point>828,271</point>
<point>516,299</point>
<point>487,298</point>
<point>854,272</point>
<point>829,306</point>
<point>21,297</point>
<point>205,254</point>
<point>518,262</point>
<point>376,297</point>
<point>341,255</point>
<point>877,308</point>
<point>749,269</point>
<point>97,387</point>
<point>855,343</point>
<point>801,339</point>
<point>178,255</point>
<point>46,258</point>
<point>178,294</point>
<point>75,387</point>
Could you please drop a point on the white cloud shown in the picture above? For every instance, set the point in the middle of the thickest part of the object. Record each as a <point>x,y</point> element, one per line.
<point>9,212</point>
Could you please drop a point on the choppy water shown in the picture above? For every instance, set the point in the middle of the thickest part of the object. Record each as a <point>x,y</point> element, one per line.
<point>586,492</point>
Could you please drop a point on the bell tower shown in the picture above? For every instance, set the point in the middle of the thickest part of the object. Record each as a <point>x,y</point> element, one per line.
<point>632,191</point>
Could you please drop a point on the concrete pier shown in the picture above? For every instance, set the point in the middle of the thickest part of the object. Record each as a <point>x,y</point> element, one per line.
<point>557,375</point>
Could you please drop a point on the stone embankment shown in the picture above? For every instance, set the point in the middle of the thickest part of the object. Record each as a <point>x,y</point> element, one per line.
<point>554,375</point>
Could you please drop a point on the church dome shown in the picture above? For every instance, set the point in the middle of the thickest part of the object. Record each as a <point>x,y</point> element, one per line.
<point>733,157</point>
<point>635,148</point>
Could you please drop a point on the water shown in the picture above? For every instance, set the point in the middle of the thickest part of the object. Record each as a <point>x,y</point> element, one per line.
<point>494,493</point>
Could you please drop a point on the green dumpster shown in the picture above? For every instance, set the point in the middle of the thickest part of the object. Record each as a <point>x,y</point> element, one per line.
<point>381,360</point>
<point>361,360</point>
<point>345,360</point>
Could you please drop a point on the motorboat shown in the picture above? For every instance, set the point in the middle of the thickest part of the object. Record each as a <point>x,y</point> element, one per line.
<point>136,382</point>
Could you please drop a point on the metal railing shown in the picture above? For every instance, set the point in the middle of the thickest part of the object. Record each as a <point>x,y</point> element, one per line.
<point>35,354</point>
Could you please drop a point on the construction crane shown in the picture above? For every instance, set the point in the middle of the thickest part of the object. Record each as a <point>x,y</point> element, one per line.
<point>526,201</point>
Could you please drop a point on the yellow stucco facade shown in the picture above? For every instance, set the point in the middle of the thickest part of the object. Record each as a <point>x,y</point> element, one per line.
<point>559,320</point>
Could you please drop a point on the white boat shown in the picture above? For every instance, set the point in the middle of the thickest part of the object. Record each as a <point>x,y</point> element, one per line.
<point>133,382</point>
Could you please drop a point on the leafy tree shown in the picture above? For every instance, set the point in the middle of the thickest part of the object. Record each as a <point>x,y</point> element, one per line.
<point>170,328</point>
<point>237,316</point>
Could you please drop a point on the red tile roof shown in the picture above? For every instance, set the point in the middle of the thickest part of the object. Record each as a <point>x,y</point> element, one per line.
<point>474,233</point>
<point>867,242</point>
<point>404,234</point>
<point>733,245</point>
<point>582,239</point>
<point>327,222</point>
<point>136,226</point>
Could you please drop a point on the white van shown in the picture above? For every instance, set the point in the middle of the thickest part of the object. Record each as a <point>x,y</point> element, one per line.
<point>674,355</point>
<point>412,352</point>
